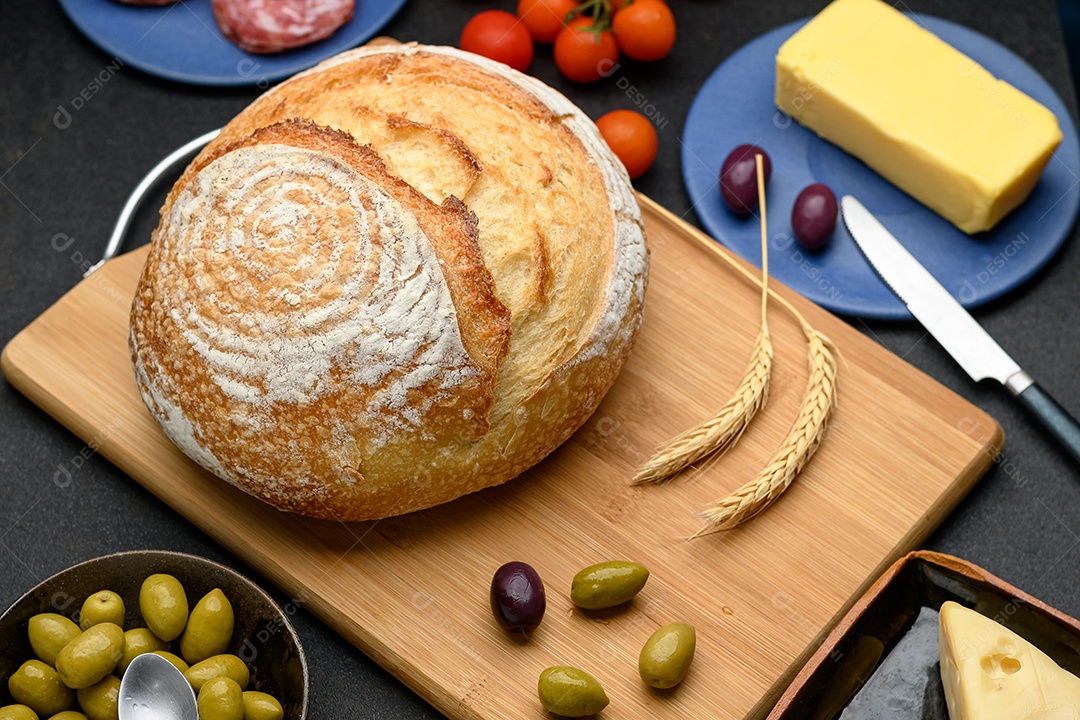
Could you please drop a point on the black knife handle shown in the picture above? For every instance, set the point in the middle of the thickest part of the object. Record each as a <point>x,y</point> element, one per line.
<point>1053,417</point>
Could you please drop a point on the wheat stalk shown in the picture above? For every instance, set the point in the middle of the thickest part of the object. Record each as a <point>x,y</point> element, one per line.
<point>799,446</point>
<point>722,431</point>
<point>719,433</point>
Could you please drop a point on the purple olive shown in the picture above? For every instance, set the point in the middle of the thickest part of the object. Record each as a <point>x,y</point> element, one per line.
<point>517,597</point>
<point>813,217</point>
<point>738,178</point>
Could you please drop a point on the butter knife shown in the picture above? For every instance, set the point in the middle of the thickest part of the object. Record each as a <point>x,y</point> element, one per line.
<point>951,325</point>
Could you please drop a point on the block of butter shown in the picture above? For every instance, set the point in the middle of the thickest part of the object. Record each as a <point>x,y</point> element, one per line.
<point>991,673</point>
<point>925,116</point>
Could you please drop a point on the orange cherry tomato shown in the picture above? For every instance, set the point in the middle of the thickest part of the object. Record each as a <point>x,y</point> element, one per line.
<point>645,29</point>
<point>544,18</point>
<point>583,54</point>
<point>498,35</point>
<point>632,137</point>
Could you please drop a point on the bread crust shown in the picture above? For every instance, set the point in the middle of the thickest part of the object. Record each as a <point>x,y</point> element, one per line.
<point>538,237</point>
<point>483,321</point>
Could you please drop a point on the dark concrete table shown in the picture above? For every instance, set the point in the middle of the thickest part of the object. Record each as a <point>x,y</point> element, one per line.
<point>62,188</point>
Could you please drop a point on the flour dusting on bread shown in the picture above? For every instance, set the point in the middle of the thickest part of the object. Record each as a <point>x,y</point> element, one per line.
<point>364,296</point>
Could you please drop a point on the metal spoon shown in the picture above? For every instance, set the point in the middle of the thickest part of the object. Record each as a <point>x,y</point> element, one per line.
<point>167,163</point>
<point>154,689</point>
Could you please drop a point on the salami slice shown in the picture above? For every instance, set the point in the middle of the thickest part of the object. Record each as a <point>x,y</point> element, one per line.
<point>267,26</point>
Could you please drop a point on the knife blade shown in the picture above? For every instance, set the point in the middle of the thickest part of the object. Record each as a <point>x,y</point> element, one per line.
<point>951,325</point>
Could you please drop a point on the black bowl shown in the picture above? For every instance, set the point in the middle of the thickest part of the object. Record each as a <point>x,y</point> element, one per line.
<point>263,637</point>
<point>854,650</point>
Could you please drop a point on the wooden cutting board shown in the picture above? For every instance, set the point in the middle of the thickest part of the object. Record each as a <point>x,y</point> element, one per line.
<point>411,592</point>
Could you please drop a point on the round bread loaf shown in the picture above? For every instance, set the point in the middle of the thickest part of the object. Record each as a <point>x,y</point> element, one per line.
<point>407,274</point>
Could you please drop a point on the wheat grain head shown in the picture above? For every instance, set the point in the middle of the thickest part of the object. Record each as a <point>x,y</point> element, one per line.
<point>718,433</point>
<point>802,441</point>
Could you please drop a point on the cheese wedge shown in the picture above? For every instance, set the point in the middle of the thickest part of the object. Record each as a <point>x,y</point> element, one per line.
<point>991,673</point>
<point>929,119</point>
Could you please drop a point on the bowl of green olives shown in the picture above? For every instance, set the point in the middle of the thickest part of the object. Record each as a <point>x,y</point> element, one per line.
<point>65,644</point>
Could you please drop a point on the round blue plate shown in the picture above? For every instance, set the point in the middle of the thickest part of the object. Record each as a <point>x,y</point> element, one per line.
<point>182,42</point>
<point>735,106</point>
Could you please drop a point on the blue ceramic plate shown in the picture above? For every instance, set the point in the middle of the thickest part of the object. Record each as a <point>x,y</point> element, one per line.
<point>182,42</point>
<point>735,106</point>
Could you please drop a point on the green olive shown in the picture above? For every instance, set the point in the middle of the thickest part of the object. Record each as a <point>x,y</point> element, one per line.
<point>607,584</point>
<point>209,629</point>
<point>91,656</point>
<point>138,641</point>
<point>101,701</point>
<point>102,606</point>
<point>260,706</point>
<point>38,686</point>
<point>228,666</point>
<point>667,654</point>
<point>570,692</point>
<point>69,715</point>
<point>221,699</point>
<point>17,712</point>
<point>49,633</point>
<point>164,606</point>
<point>174,659</point>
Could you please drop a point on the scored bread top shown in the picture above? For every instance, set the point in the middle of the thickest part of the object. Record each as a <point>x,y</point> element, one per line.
<point>390,327</point>
<point>483,323</point>
<point>551,234</point>
<point>521,156</point>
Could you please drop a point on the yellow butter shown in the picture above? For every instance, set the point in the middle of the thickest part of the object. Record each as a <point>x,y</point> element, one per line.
<point>925,116</point>
<point>991,673</point>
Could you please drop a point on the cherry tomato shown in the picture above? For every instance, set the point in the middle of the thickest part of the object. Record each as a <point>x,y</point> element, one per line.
<point>645,29</point>
<point>632,137</point>
<point>498,35</point>
<point>544,18</point>
<point>583,54</point>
